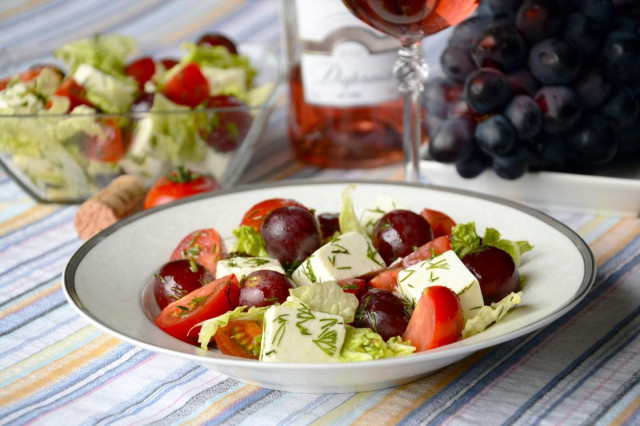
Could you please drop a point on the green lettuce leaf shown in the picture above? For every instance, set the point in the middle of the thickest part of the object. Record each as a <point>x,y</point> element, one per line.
<point>348,219</point>
<point>514,248</point>
<point>248,241</point>
<point>464,239</point>
<point>213,56</point>
<point>176,135</point>
<point>106,52</point>
<point>327,297</point>
<point>363,344</point>
<point>210,326</point>
<point>489,315</point>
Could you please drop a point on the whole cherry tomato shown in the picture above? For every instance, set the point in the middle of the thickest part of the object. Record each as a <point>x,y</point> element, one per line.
<point>178,184</point>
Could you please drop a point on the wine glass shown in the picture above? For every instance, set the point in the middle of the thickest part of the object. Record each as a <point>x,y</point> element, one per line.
<point>410,21</point>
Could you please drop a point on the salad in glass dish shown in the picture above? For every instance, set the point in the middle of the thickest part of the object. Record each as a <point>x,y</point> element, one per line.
<point>100,107</point>
<point>300,286</point>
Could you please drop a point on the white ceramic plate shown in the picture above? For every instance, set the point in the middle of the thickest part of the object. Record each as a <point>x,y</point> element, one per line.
<point>106,278</point>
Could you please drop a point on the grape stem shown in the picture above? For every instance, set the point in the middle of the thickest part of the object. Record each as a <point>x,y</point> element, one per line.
<point>411,70</point>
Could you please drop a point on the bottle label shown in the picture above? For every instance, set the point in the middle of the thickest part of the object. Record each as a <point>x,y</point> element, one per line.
<point>344,62</point>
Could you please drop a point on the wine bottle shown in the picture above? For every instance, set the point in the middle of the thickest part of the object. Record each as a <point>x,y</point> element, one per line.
<point>345,109</point>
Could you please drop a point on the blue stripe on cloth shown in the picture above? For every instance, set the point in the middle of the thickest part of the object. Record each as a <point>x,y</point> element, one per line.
<point>596,367</point>
<point>37,227</point>
<point>45,400</point>
<point>522,346</point>
<point>618,401</point>
<point>29,266</point>
<point>149,395</point>
<point>43,306</point>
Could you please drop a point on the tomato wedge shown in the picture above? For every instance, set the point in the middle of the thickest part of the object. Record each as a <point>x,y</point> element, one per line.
<point>437,320</point>
<point>427,251</point>
<point>108,147</point>
<point>141,70</point>
<point>204,246</point>
<point>441,223</point>
<point>179,318</point>
<point>75,92</point>
<point>256,214</point>
<point>188,87</point>
<point>386,280</point>
<point>238,338</point>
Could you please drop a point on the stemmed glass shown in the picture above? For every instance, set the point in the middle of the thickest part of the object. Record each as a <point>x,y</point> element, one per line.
<point>410,21</point>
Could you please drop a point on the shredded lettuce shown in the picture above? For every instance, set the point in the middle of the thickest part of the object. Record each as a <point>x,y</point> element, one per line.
<point>248,241</point>
<point>327,297</point>
<point>106,52</point>
<point>210,326</point>
<point>464,240</point>
<point>176,135</point>
<point>213,56</point>
<point>488,315</point>
<point>348,219</point>
<point>363,344</point>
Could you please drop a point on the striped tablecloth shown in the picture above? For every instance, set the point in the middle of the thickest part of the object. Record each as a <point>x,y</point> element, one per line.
<point>56,368</point>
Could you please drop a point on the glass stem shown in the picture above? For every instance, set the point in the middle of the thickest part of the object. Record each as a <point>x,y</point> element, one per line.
<point>411,70</point>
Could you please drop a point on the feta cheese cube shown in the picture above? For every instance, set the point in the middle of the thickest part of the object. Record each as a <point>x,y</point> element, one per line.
<point>384,204</point>
<point>243,266</point>
<point>446,270</point>
<point>347,256</point>
<point>297,334</point>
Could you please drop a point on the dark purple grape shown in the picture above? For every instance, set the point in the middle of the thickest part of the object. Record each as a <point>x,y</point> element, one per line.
<point>601,11</point>
<point>178,278</point>
<point>460,108</point>
<point>539,19</point>
<point>523,82</point>
<point>291,234</point>
<point>487,90</point>
<point>513,164</point>
<point>547,152</point>
<point>456,62</point>
<point>143,102</point>
<point>621,109</point>
<point>628,142</point>
<point>620,55</point>
<point>495,135</point>
<point>503,5</point>
<point>592,141</point>
<point>630,8</point>
<point>561,108</point>
<point>469,30</point>
<point>500,46</point>
<point>329,225</point>
<point>383,312</point>
<point>452,140</point>
<point>554,61</point>
<point>264,288</point>
<point>431,123</point>
<point>496,272</point>
<point>593,86</point>
<point>473,165</point>
<point>398,233</point>
<point>525,116</point>
<point>438,93</point>
<point>626,24</point>
<point>583,32</point>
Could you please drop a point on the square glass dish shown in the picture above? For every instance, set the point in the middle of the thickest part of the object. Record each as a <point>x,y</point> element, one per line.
<point>67,157</point>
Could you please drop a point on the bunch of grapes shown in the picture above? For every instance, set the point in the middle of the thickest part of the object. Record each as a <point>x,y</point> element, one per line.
<point>538,85</point>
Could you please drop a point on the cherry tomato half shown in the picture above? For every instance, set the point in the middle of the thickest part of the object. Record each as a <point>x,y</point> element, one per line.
<point>179,318</point>
<point>437,320</point>
<point>75,92</point>
<point>441,223</point>
<point>179,183</point>
<point>188,87</point>
<point>256,214</point>
<point>204,246</point>
<point>238,338</point>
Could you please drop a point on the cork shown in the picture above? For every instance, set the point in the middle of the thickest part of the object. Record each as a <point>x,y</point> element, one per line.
<point>123,197</point>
